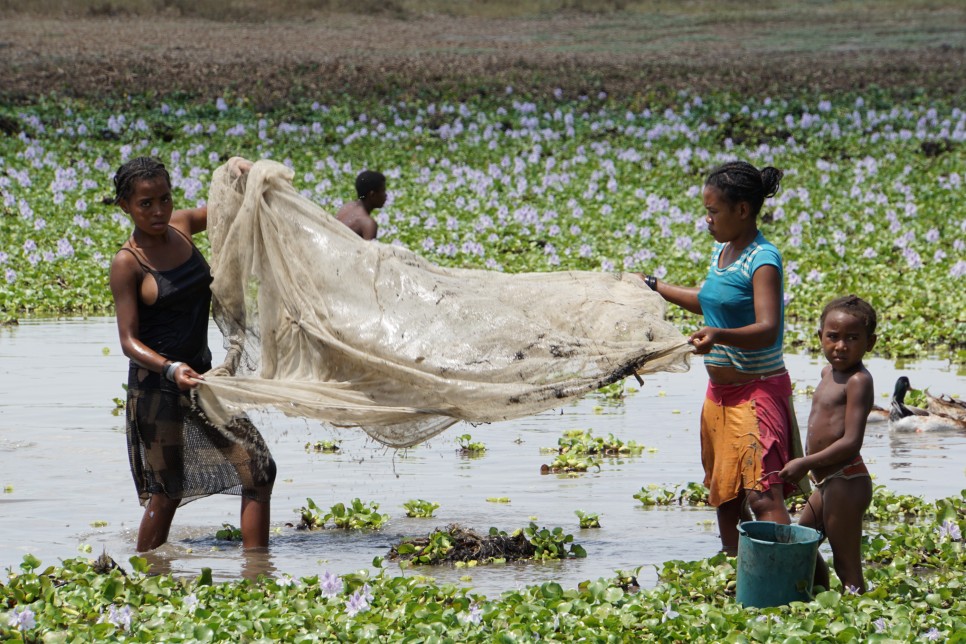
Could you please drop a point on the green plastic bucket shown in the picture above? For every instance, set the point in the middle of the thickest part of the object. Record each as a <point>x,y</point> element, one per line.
<point>776,563</point>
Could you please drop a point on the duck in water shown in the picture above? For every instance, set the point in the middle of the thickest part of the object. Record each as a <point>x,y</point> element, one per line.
<point>905,418</point>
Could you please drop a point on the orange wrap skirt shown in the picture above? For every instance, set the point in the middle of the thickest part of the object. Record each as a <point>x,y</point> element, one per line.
<point>748,434</point>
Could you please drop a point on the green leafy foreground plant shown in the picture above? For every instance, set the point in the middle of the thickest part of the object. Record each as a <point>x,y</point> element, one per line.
<point>914,571</point>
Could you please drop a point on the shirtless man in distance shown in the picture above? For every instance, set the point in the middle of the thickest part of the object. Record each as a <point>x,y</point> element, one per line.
<point>357,215</point>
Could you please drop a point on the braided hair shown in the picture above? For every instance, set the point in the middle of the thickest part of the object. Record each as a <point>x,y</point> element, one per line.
<point>855,306</point>
<point>740,181</point>
<point>136,170</point>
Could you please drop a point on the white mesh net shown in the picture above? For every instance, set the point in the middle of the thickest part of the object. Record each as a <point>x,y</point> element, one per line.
<point>322,324</point>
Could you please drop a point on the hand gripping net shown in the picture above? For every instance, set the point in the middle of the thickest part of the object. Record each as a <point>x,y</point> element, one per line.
<point>322,324</point>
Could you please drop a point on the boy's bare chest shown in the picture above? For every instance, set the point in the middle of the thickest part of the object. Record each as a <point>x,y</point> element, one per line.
<point>829,395</point>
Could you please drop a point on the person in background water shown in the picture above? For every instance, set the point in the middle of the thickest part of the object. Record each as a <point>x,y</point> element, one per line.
<point>748,427</point>
<point>357,215</point>
<point>161,288</point>
<point>836,427</point>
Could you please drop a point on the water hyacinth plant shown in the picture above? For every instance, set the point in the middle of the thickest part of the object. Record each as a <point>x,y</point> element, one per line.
<point>469,447</point>
<point>358,515</point>
<point>569,464</point>
<point>323,447</point>
<point>694,494</point>
<point>578,441</point>
<point>418,508</point>
<point>913,569</point>
<point>228,532</point>
<point>869,202</point>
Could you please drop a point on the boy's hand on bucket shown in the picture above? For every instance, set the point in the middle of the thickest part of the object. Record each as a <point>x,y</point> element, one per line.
<point>794,471</point>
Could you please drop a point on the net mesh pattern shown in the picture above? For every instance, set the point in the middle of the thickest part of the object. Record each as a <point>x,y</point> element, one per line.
<point>322,324</point>
<point>174,450</point>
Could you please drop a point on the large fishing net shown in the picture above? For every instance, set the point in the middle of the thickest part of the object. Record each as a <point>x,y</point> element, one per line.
<point>322,324</point>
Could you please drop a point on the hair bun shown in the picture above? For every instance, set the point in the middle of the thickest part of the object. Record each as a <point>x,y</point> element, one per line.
<point>771,180</point>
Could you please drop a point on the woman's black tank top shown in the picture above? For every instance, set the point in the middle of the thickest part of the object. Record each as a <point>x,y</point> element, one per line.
<point>176,325</point>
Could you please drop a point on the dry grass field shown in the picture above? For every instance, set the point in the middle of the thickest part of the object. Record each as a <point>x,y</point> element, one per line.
<point>279,50</point>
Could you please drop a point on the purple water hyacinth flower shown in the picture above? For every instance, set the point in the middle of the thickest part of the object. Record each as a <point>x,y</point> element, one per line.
<point>40,223</point>
<point>913,260</point>
<point>814,275</point>
<point>3,257</point>
<point>120,617</point>
<point>473,616</point>
<point>190,602</point>
<point>958,269</point>
<point>10,275</point>
<point>933,634</point>
<point>33,258</point>
<point>330,584</point>
<point>660,272</point>
<point>359,601</point>
<point>221,105</point>
<point>932,236</point>
<point>949,529</point>
<point>669,613</point>
<point>880,625</point>
<point>29,245</point>
<point>939,255</point>
<point>64,248</point>
<point>22,619</point>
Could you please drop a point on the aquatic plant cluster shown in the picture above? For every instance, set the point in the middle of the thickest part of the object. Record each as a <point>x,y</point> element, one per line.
<point>870,201</point>
<point>914,574</point>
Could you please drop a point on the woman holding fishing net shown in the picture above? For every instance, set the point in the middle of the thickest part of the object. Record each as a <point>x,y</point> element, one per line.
<point>748,427</point>
<point>161,288</point>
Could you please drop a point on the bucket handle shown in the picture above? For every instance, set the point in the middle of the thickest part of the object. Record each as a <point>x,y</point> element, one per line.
<point>808,500</point>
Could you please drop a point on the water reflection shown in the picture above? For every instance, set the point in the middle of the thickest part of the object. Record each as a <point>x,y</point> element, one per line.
<point>257,562</point>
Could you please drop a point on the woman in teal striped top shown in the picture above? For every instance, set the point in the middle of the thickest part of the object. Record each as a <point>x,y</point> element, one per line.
<point>748,428</point>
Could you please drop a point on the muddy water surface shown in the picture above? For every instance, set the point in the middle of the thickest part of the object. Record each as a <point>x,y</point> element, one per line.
<point>65,484</point>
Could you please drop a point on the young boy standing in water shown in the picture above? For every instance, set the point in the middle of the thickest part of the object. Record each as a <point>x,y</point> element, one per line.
<point>836,427</point>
